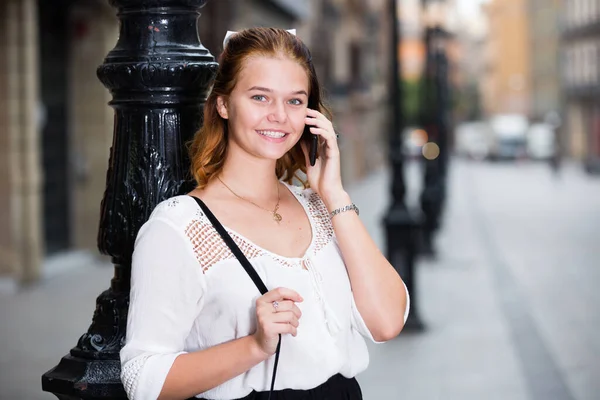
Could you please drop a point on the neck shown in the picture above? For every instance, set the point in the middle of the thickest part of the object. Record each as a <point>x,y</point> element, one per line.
<point>250,176</point>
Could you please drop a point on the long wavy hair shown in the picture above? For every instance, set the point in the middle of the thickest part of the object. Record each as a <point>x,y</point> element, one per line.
<point>209,147</point>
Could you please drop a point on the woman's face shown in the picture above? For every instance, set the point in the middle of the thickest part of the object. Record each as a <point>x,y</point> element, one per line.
<point>267,108</point>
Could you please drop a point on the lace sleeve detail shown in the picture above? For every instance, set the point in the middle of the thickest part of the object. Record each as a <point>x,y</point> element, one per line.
<point>208,245</point>
<point>323,227</point>
<point>131,373</point>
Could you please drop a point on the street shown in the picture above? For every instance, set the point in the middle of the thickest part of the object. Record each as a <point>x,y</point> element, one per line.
<point>510,303</point>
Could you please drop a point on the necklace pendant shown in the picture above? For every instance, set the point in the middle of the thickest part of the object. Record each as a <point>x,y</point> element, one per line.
<point>277,216</point>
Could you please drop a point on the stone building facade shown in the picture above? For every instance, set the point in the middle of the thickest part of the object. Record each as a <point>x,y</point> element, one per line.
<point>580,54</point>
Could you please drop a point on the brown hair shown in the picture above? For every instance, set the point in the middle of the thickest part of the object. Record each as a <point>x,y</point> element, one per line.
<point>208,148</point>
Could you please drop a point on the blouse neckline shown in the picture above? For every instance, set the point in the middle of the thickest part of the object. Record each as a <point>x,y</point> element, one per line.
<point>294,191</point>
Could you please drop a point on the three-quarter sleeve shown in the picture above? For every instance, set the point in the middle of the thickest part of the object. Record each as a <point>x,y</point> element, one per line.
<point>167,291</point>
<point>359,324</point>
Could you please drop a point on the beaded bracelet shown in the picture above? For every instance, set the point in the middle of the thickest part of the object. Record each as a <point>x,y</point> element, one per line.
<point>344,209</point>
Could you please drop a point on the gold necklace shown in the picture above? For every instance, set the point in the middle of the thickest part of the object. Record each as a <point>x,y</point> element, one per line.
<point>276,215</point>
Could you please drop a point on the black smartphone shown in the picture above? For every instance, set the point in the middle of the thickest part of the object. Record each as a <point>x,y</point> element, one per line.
<point>313,142</point>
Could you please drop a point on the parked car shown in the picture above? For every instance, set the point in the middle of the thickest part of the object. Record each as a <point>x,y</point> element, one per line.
<point>472,140</point>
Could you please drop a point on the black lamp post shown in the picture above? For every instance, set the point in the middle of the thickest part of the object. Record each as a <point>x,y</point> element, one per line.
<point>435,120</point>
<point>158,75</point>
<point>402,228</point>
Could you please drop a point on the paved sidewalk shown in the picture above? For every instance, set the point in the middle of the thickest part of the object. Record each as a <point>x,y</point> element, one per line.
<point>466,352</point>
<point>42,323</point>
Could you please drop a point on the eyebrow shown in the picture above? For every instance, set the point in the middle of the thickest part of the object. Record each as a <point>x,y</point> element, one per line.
<point>264,89</point>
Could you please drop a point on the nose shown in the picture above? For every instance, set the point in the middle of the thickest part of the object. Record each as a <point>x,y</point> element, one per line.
<point>277,113</point>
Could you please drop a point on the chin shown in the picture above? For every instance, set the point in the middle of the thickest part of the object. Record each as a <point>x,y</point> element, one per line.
<point>273,155</point>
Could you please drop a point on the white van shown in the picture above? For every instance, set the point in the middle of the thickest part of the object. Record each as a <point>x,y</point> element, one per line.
<point>509,132</point>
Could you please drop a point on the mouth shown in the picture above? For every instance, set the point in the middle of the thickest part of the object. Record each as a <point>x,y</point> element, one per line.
<point>272,134</point>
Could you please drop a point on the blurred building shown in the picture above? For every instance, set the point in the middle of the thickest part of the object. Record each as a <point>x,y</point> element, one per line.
<point>580,51</point>
<point>506,85</point>
<point>544,37</point>
<point>470,68</point>
<point>412,47</point>
<point>350,40</point>
<point>57,129</point>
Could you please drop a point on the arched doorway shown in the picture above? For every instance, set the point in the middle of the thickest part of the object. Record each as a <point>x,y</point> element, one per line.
<point>53,117</point>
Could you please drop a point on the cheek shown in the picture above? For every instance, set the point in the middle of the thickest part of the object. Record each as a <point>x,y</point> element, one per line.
<point>249,118</point>
<point>297,120</point>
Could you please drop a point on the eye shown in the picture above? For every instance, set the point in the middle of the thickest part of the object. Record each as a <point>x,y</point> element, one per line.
<point>296,102</point>
<point>259,97</point>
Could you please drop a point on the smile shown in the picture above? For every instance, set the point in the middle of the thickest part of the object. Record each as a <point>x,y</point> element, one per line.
<point>272,134</point>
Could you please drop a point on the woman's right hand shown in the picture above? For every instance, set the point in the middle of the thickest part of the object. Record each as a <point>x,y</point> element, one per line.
<point>276,313</point>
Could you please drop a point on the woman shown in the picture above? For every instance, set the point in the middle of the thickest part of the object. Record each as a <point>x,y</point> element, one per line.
<point>197,324</point>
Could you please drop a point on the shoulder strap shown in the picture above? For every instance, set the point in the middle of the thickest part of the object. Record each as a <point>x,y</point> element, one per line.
<point>233,247</point>
<point>247,266</point>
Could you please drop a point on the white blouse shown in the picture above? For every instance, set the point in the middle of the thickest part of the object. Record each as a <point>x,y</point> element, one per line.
<point>189,292</point>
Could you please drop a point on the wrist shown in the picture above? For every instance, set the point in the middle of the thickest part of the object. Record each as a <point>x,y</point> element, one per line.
<point>258,354</point>
<point>336,200</point>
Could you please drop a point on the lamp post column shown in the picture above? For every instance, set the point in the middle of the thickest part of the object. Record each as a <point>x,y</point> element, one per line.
<point>402,228</point>
<point>158,75</point>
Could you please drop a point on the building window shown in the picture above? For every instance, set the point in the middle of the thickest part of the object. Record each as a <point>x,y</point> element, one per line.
<point>579,64</point>
<point>596,62</point>
<point>589,63</point>
<point>578,12</point>
<point>570,67</point>
<point>356,67</point>
<point>571,13</point>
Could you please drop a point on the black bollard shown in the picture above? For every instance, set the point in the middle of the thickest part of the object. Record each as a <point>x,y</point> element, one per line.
<point>435,119</point>
<point>402,227</point>
<point>158,75</point>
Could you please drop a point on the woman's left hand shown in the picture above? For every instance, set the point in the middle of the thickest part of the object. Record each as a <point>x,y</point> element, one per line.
<point>325,176</point>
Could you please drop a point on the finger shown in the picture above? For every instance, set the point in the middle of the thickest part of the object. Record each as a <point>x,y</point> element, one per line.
<point>324,133</point>
<point>286,305</point>
<point>286,328</point>
<point>286,317</point>
<point>327,136</point>
<point>280,294</point>
<point>280,329</point>
<point>319,123</point>
<point>316,114</point>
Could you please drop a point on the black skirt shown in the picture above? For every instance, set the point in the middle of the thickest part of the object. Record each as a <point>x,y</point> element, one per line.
<point>336,388</point>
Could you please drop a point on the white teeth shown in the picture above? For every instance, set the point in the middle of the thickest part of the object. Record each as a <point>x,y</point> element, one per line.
<point>275,135</point>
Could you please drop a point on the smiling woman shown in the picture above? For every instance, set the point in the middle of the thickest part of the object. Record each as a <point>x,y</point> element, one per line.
<point>197,326</point>
<point>266,110</point>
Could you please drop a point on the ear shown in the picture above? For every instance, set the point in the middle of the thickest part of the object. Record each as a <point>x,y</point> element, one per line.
<point>222,107</point>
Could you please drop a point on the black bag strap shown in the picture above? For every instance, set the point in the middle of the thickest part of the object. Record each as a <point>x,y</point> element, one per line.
<point>247,266</point>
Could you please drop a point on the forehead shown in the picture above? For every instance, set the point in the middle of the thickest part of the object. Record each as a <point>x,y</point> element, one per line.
<point>276,73</point>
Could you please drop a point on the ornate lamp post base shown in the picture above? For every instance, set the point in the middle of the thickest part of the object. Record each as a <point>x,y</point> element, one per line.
<point>402,235</point>
<point>76,378</point>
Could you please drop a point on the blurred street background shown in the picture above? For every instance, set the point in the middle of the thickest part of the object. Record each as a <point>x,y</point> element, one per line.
<point>470,140</point>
